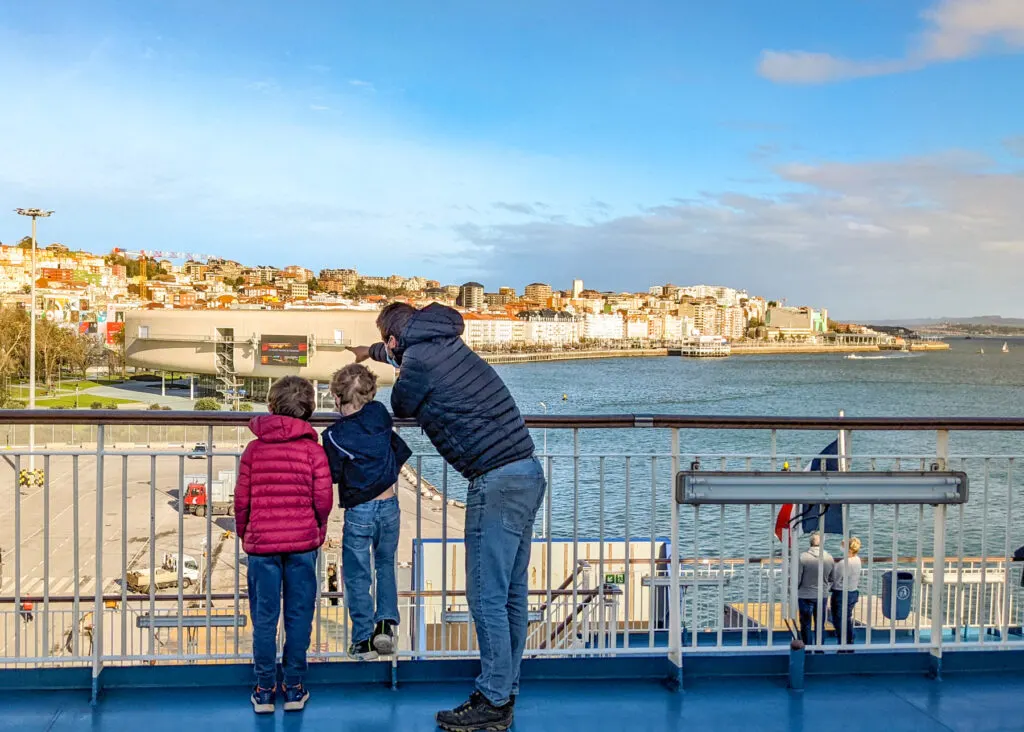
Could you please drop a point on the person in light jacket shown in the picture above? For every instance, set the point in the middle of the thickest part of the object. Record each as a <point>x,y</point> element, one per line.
<point>846,577</point>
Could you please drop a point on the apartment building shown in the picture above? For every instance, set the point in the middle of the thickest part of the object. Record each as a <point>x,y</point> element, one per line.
<point>551,328</point>
<point>471,296</point>
<point>537,292</point>
<point>797,319</point>
<point>603,327</point>
<point>488,331</point>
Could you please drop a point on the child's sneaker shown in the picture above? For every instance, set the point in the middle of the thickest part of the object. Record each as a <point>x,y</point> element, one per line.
<point>362,651</point>
<point>295,698</point>
<point>384,638</point>
<point>263,700</point>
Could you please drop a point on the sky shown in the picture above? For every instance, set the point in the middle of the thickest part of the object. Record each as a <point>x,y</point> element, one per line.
<point>861,155</point>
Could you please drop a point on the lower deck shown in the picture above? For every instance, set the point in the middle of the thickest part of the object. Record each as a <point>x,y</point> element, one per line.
<point>893,703</point>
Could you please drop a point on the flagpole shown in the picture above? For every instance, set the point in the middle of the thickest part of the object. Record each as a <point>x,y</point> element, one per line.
<point>844,466</point>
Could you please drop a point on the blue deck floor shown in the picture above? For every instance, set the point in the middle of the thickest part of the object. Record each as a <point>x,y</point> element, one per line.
<point>979,702</point>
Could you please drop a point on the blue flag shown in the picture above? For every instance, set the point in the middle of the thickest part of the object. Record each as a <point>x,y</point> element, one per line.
<point>826,517</point>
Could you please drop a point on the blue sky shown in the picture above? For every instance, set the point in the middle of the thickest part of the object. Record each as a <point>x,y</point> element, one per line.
<point>862,155</point>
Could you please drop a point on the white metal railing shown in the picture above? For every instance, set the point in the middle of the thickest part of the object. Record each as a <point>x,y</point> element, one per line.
<point>618,566</point>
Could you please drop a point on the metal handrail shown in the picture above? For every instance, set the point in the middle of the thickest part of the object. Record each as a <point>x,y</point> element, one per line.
<point>607,421</point>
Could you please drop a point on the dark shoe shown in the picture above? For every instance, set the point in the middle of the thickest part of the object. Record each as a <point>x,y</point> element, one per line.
<point>263,700</point>
<point>362,651</point>
<point>384,638</point>
<point>476,714</point>
<point>295,698</point>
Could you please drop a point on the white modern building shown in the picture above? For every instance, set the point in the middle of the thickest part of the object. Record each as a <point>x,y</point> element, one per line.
<point>603,326</point>
<point>551,328</point>
<point>488,331</point>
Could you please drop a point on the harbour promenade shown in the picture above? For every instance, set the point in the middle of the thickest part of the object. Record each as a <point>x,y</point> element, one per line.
<point>738,348</point>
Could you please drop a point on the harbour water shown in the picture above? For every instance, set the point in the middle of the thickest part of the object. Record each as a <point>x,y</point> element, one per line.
<point>959,382</point>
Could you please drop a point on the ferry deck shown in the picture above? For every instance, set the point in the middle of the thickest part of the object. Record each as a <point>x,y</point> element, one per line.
<point>646,607</point>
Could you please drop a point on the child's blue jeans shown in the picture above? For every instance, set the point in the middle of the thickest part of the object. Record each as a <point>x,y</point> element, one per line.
<point>370,527</point>
<point>270,576</point>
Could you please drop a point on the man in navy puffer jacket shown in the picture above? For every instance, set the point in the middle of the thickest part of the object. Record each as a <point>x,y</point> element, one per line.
<point>471,418</point>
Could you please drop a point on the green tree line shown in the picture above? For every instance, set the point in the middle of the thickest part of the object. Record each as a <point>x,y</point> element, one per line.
<point>59,351</point>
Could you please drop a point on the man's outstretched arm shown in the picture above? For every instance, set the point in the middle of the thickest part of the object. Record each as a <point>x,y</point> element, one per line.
<point>377,352</point>
<point>411,388</point>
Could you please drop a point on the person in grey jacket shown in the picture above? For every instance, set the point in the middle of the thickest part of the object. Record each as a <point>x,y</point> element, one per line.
<point>815,563</point>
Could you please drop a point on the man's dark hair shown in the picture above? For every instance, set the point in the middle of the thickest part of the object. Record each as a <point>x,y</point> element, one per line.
<point>393,319</point>
<point>292,396</point>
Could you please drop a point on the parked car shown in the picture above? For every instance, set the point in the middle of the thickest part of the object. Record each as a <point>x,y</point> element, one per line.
<point>198,452</point>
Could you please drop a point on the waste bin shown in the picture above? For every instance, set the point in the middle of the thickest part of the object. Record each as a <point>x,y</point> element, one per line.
<point>904,594</point>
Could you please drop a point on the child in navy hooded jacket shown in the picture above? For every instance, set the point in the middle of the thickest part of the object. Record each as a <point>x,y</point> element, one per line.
<point>366,456</point>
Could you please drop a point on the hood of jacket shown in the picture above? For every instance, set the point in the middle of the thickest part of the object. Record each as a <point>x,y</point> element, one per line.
<point>279,428</point>
<point>373,420</point>
<point>431,323</point>
<point>365,454</point>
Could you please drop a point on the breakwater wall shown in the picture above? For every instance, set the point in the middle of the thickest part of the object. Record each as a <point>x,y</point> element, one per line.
<point>510,358</point>
<point>737,349</point>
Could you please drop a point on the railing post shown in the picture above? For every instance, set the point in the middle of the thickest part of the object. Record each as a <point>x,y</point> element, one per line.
<point>97,614</point>
<point>675,646</point>
<point>939,568</point>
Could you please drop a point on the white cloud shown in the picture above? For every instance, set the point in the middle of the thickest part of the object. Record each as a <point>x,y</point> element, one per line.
<point>1015,145</point>
<point>802,67</point>
<point>252,175</point>
<point>953,30</point>
<point>262,85</point>
<point>367,85</point>
<point>890,237</point>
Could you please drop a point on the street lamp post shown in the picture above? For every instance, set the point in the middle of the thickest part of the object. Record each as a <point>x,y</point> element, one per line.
<point>545,408</point>
<point>34,213</point>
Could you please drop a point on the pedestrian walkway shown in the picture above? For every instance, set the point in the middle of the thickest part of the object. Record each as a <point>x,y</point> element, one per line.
<point>36,586</point>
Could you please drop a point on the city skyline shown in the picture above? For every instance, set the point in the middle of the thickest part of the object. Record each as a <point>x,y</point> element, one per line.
<point>867,156</point>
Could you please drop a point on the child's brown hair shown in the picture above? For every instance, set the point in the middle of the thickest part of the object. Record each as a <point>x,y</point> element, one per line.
<point>292,396</point>
<point>354,384</point>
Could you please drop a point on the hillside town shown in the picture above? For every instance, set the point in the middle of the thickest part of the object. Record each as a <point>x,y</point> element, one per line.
<point>92,292</point>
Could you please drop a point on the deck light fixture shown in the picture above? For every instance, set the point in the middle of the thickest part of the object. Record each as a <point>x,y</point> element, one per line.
<point>883,487</point>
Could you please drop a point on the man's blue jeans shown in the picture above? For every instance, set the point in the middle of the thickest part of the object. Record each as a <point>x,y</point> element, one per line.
<point>808,621</point>
<point>371,526</point>
<point>270,576</point>
<point>500,510</point>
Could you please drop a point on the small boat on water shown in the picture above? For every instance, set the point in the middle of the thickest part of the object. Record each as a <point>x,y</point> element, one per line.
<point>1006,348</point>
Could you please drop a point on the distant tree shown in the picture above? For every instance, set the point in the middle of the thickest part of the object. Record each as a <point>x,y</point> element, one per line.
<point>207,404</point>
<point>117,356</point>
